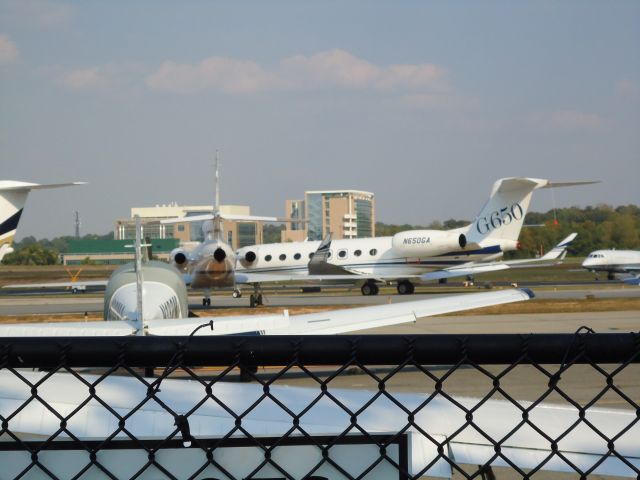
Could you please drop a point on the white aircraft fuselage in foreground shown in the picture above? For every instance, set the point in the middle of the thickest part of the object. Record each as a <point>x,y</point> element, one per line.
<point>410,254</point>
<point>612,262</point>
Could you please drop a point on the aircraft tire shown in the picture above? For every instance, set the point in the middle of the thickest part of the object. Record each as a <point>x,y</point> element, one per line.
<point>405,287</point>
<point>376,290</point>
<point>442,281</point>
<point>252,301</point>
<point>367,289</point>
<point>611,276</point>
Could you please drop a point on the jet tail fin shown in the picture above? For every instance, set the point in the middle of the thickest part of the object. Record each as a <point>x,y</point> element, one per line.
<point>13,196</point>
<point>502,217</point>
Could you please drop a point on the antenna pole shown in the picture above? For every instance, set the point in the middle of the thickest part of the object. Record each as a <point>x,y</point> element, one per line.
<point>139,279</point>
<point>77,215</point>
<point>216,185</point>
<point>217,221</point>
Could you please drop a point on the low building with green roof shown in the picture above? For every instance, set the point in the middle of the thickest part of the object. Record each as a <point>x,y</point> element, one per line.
<point>113,252</point>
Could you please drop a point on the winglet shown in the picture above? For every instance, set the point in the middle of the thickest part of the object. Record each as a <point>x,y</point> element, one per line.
<point>560,250</point>
<point>529,292</point>
<point>318,265</point>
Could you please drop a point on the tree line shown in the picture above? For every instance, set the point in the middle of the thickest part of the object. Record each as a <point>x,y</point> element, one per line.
<point>30,251</point>
<point>598,227</point>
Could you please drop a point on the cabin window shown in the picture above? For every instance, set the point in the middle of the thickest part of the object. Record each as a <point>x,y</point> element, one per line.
<point>267,258</point>
<point>373,252</point>
<point>297,256</point>
<point>357,253</point>
<point>311,255</point>
<point>342,253</point>
<point>282,256</point>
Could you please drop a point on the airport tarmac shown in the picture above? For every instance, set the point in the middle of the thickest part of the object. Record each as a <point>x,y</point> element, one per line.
<point>59,304</point>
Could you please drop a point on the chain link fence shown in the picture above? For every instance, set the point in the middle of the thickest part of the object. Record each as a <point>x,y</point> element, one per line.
<point>383,406</point>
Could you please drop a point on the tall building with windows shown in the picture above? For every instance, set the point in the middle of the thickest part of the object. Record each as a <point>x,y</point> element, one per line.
<point>344,213</point>
<point>236,233</point>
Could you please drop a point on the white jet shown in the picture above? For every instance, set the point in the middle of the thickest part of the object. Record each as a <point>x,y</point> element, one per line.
<point>213,263</point>
<point>13,196</point>
<point>407,256</point>
<point>613,261</point>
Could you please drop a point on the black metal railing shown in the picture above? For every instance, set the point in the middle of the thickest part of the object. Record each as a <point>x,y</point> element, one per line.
<point>320,406</point>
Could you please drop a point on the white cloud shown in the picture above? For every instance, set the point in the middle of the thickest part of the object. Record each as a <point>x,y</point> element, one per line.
<point>439,100</point>
<point>324,70</point>
<point>571,119</point>
<point>86,79</point>
<point>217,73</point>
<point>628,88</point>
<point>8,50</point>
<point>568,120</point>
<point>38,13</point>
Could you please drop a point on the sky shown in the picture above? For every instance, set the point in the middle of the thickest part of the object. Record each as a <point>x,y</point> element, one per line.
<point>423,103</point>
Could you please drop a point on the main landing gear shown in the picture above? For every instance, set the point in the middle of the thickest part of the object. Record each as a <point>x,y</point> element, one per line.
<point>255,299</point>
<point>369,288</point>
<point>405,287</point>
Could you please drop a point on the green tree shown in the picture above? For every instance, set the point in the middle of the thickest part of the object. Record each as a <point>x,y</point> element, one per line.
<point>33,254</point>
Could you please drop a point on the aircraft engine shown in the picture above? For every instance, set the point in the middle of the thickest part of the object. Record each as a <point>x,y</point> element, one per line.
<point>219,255</point>
<point>426,243</point>
<point>178,256</point>
<point>246,257</point>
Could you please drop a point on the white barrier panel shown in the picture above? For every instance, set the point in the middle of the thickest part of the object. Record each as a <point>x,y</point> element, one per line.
<point>236,457</point>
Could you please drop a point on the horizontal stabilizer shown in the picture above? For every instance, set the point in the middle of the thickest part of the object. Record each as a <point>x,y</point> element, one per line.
<point>569,184</point>
<point>8,185</point>
<point>224,216</point>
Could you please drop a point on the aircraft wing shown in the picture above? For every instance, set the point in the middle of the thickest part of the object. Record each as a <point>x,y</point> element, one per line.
<point>444,419</point>
<point>470,269</point>
<point>320,323</point>
<point>260,278</point>
<point>552,257</point>
<point>88,283</point>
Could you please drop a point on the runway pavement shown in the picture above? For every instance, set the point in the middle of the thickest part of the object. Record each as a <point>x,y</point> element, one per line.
<point>80,303</point>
